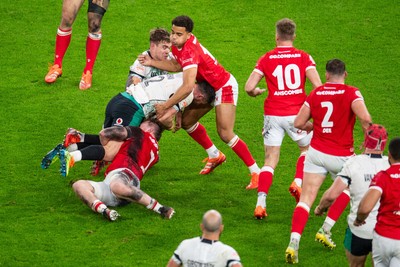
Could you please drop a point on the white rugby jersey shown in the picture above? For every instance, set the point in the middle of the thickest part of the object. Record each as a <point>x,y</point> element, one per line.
<point>205,253</point>
<point>144,72</point>
<point>158,89</point>
<point>361,169</point>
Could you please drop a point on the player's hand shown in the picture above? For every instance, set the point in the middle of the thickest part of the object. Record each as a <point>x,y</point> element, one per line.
<point>256,92</point>
<point>144,60</point>
<point>160,110</point>
<point>318,211</point>
<point>358,222</point>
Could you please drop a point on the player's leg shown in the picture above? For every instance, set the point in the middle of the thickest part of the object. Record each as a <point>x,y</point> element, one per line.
<point>87,190</point>
<point>324,234</point>
<point>311,184</point>
<point>197,131</point>
<point>273,135</point>
<point>225,117</point>
<point>265,179</point>
<point>357,249</point>
<point>96,11</point>
<point>126,187</point>
<point>303,139</point>
<point>63,38</point>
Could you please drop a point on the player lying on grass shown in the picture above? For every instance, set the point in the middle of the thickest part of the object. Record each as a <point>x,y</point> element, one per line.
<point>132,150</point>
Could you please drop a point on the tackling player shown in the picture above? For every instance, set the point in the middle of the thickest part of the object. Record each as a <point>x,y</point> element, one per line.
<point>70,9</point>
<point>197,63</point>
<point>333,107</point>
<point>285,69</point>
<point>133,151</point>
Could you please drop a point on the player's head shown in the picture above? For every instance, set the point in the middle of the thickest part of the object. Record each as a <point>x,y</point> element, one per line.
<point>375,138</point>
<point>212,222</point>
<point>285,29</point>
<point>184,21</point>
<point>394,150</point>
<point>181,31</point>
<point>153,127</point>
<point>205,93</point>
<point>160,43</point>
<point>335,67</point>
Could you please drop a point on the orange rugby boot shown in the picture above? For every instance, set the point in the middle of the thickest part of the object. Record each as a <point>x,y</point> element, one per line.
<point>253,182</point>
<point>212,163</point>
<point>86,81</point>
<point>54,72</point>
<point>295,191</point>
<point>260,212</point>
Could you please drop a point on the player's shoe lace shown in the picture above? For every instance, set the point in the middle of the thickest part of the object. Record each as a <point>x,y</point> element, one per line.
<point>253,182</point>
<point>260,212</point>
<point>51,156</point>
<point>295,191</point>
<point>111,215</point>
<point>292,253</point>
<point>324,237</point>
<point>72,136</point>
<point>54,72</point>
<point>212,163</point>
<point>97,166</point>
<point>67,161</point>
<point>86,81</point>
<point>166,212</point>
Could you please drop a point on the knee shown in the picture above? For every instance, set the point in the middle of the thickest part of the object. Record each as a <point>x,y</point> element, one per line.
<point>94,24</point>
<point>226,135</point>
<point>78,185</point>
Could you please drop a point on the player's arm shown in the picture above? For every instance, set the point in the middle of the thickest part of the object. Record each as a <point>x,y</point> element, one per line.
<point>302,119</point>
<point>115,133</point>
<point>251,84</point>
<point>330,195</point>
<point>366,205</point>
<point>362,113</point>
<point>189,81</point>
<point>172,263</point>
<point>313,76</point>
<point>170,65</point>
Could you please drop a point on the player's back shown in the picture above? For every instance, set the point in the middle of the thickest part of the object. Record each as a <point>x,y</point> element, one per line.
<point>137,153</point>
<point>161,88</point>
<point>388,220</point>
<point>333,118</point>
<point>361,169</point>
<point>203,252</point>
<point>284,69</point>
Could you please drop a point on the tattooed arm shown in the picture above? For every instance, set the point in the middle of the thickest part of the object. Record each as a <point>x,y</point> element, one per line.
<point>115,133</point>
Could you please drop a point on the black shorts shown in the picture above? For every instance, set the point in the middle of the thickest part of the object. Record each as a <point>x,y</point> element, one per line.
<point>123,110</point>
<point>357,246</point>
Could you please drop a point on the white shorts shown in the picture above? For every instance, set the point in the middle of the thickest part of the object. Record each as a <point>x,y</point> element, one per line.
<point>385,251</point>
<point>321,163</point>
<point>275,127</point>
<point>227,94</point>
<point>103,191</point>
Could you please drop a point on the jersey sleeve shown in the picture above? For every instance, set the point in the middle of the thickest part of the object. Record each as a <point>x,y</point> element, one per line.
<point>231,256</point>
<point>189,59</point>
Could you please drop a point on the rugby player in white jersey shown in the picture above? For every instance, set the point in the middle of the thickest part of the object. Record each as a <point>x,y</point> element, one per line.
<point>160,46</point>
<point>356,176</point>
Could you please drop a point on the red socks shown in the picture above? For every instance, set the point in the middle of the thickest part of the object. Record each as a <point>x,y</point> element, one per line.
<point>63,39</point>
<point>93,42</point>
